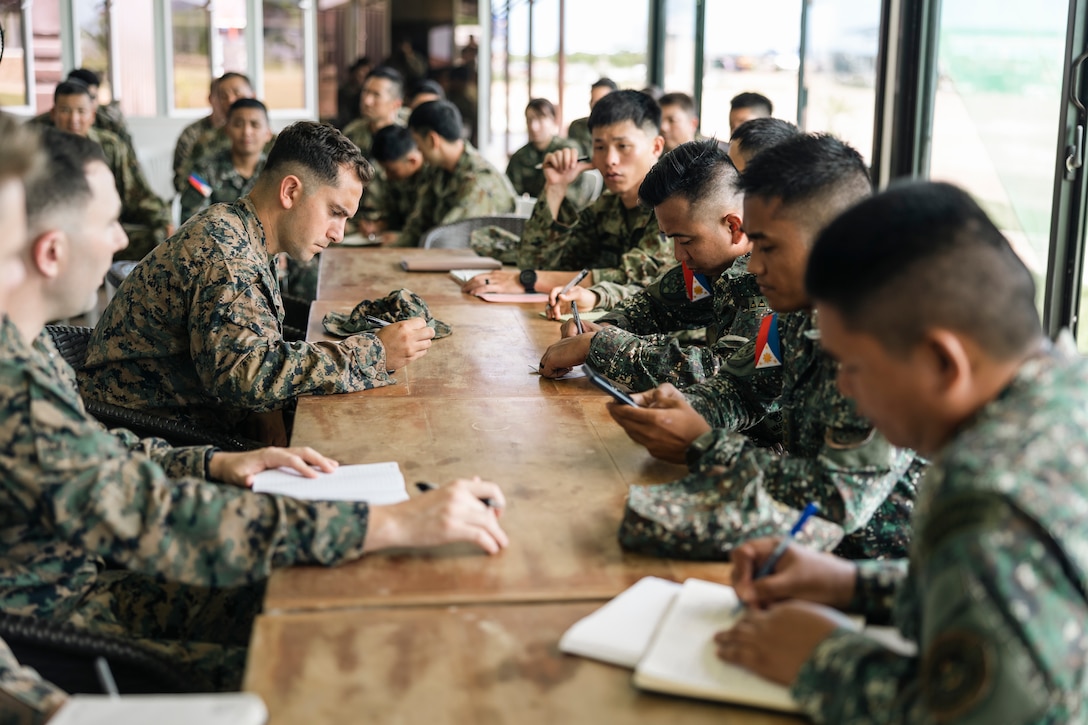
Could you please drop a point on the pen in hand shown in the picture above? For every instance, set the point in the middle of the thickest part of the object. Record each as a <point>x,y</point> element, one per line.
<point>575,280</point>
<point>577,317</point>
<point>772,560</point>
<point>377,321</point>
<point>424,487</point>
<point>581,160</point>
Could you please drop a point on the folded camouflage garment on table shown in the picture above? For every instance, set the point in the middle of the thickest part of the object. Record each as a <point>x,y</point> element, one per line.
<point>398,305</point>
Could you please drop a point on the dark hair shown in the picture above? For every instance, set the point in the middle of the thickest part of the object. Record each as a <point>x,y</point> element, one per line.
<point>230,75</point>
<point>695,170</point>
<point>317,149</point>
<point>816,176</point>
<point>760,134</point>
<point>922,255</point>
<point>20,149</point>
<point>605,83</point>
<point>683,100</point>
<point>361,62</point>
<point>542,107</point>
<point>442,117</point>
<point>426,87</point>
<point>64,181</point>
<point>632,106</point>
<point>654,92</point>
<point>391,143</point>
<point>71,88</point>
<point>247,103</point>
<point>85,75</point>
<point>390,74</point>
<point>748,99</point>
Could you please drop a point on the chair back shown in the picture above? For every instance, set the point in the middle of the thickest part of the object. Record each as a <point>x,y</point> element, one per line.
<point>71,343</point>
<point>456,235</point>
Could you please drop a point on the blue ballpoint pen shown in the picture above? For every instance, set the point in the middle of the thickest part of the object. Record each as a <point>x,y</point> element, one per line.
<point>772,560</point>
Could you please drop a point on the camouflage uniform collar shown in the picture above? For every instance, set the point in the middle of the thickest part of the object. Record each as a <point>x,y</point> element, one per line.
<point>470,158</point>
<point>254,227</point>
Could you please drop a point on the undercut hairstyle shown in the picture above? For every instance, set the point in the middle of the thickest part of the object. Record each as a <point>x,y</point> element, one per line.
<point>541,107</point>
<point>442,117</point>
<point>390,74</point>
<point>71,88</point>
<point>63,185</point>
<point>699,171</point>
<point>228,76</point>
<point>391,143</point>
<point>685,102</point>
<point>760,134</point>
<point>85,75</point>
<point>21,153</point>
<point>247,103</point>
<point>317,151</point>
<point>748,99</point>
<point>432,87</point>
<point>633,106</point>
<point>605,83</point>
<point>814,176</point>
<point>922,256</point>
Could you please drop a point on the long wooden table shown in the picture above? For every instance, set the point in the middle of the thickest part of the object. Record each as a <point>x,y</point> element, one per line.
<point>452,635</point>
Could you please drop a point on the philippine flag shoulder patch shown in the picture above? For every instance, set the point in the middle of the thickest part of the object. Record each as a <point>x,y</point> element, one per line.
<point>768,348</point>
<point>697,285</point>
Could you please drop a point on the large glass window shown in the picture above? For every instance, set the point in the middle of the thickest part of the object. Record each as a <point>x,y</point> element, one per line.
<point>192,63</point>
<point>604,38</point>
<point>92,18</point>
<point>750,46</point>
<point>13,69</point>
<point>679,46</point>
<point>284,55</point>
<point>996,111</point>
<point>134,22</point>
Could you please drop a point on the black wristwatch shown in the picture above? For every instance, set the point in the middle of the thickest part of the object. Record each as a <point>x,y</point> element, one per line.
<point>528,279</point>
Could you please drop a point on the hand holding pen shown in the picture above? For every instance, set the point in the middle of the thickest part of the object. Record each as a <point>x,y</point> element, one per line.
<point>555,297</point>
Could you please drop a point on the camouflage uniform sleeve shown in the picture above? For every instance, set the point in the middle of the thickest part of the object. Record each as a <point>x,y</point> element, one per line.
<point>183,150</point>
<point>875,588</point>
<point>419,220</point>
<point>1002,640</point>
<point>244,358</point>
<point>548,242</point>
<point>176,462</point>
<point>517,171</point>
<point>644,362</point>
<point>192,200</point>
<point>25,698</point>
<point>663,306</point>
<point>141,204</point>
<point>373,205</point>
<point>90,490</point>
<point>740,395</point>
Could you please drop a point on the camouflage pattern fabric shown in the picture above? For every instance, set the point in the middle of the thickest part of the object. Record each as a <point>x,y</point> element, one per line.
<point>528,179</point>
<point>474,188</point>
<point>106,118</point>
<point>578,132</point>
<point>25,698</point>
<point>636,350</point>
<point>392,201</point>
<point>358,131</point>
<point>622,247</point>
<point>738,490</point>
<point>495,242</point>
<point>398,305</point>
<point>183,150</point>
<point>995,593</point>
<point>97,534</point>
<point>196,331</point>
<point>144,215</point>
<point>226,183</point>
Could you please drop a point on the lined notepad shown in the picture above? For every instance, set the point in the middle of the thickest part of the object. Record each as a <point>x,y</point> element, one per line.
<point>376,483</point>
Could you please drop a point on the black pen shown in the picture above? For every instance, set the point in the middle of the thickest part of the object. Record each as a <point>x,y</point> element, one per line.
<point>581,160</point>
<point>377,321</point>
<point>577,317</point>
<point>424,487</point>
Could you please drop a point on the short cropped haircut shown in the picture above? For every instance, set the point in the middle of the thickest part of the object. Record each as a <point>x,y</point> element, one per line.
<point>541,107</point>
<point>390,74</point>
<point>63,185</point>
<point>760,134</point>
<point>432,87</point>
<point>605,82</point>
<point>247,103</point>
<point>391,143</point>
<point>921,256</point>
<point>315,149</point>
<point>748,99</point>
<point>697,171</point>
<point>442,117</point>
<point>86,75</point>
<point>683,100</point>
<point>815,176</point>
<point>633,106</point>
<point>21,152</point>
<point>71,88</point>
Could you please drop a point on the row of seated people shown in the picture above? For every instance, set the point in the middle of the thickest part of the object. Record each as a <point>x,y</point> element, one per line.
<point>995,560</point>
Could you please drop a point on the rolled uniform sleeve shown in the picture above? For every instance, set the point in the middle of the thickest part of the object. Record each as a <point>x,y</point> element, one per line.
<point>25,698</point>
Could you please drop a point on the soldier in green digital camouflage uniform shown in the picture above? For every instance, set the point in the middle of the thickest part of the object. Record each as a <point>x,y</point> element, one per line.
<point>994,590</point>
<point>578,130</point>
<point>381,100</point>
<point>692,192</point>
<point>525,169</point>
<point>127,537</point>
<point>830,455</point>
<point>196,330</point>
<point>143,214</point>
<point>106,118</point>
<point>615,238</point>
<point>461,183</point>
<point>386,206</point>
<point>229,176</point>
<point>205,136</point>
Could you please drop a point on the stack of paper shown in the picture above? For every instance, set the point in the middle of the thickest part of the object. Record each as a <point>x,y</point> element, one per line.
<point>376,483</point>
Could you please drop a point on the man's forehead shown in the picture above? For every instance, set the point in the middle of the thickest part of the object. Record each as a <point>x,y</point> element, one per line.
<point>622,129</point>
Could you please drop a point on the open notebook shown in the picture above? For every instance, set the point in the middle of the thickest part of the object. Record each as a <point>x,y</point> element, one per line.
<point>438,263</point>
<point>376,483</point>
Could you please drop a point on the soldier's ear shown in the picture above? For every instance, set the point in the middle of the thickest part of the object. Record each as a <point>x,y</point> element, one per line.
<point>290,191</point>
<point>49,253</point>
